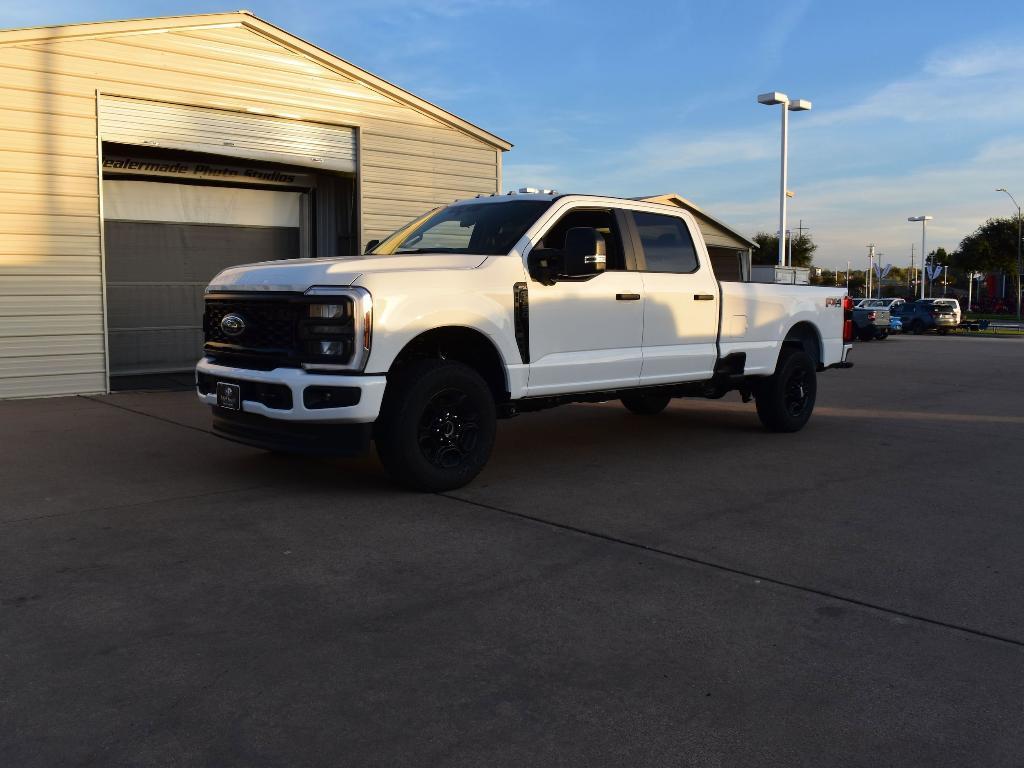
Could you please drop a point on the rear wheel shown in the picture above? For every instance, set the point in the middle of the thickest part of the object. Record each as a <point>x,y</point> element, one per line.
<point>785,400</point>
<point>437,425</point>
<point>645,403</point>
<point>917,327</point>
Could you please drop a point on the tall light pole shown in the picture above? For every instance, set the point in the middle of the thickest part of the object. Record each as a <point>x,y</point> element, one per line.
<point>871,269</point>
<point>788,105</point>
<point>913,270</point>
<point>1002,189</point>
<point>924,222</point>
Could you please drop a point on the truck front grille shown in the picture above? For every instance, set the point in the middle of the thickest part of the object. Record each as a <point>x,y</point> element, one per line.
<point>274,330</point>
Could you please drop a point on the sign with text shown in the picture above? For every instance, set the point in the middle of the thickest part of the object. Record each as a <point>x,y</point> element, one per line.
<point>192,170</point>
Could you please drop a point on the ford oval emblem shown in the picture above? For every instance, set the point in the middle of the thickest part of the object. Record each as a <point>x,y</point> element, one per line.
<point>232,325</point>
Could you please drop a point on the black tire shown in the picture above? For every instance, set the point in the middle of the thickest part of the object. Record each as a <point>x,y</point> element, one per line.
<point>866,333</point>
<point>943,331</point>
<point>917,327</point>
<point>785,400</point>
<point>437,425</point>
<point>645,403</point>
<point>883,336</point>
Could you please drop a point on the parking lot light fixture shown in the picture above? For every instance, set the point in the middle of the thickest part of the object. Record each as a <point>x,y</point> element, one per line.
<point>1003,189</point>
<point>777,98</point>
<point>924,222</point>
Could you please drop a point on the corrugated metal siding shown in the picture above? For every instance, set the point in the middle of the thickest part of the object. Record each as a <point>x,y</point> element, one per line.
<point>50,272</point>
<point>232,134</point>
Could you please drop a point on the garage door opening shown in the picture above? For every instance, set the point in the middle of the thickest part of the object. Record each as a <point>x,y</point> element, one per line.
<point>164,242</point>
<point>172,222</point>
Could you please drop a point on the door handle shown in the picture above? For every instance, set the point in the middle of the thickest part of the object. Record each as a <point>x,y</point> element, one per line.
<point>627,297</point>
<point>703,297</point>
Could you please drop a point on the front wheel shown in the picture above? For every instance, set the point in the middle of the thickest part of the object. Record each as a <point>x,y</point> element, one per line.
<point>645,403</point>
<point>917,328</point>
<point>437,425</point>
<point>785,400</point>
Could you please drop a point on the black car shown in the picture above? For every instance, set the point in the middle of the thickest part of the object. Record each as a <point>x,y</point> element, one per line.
<point>918,317</point>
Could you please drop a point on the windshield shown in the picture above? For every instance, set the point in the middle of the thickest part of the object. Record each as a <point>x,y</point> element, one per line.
<point>481,229</point>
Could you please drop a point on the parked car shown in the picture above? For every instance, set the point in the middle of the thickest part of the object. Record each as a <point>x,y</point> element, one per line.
<point>921,316</point>
<point>895,324</point>
<point>497,306</point>
<point>946,303</point>
<point>886,304</point>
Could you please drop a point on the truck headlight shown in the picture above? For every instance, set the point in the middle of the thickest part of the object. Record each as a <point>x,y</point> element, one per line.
<point>336,332</point>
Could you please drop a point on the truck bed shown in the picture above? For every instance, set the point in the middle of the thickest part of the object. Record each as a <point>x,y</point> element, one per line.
<point>757,316</point>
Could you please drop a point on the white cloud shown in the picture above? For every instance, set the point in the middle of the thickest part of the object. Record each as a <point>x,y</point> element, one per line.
<point>975,62</point>
<point>848,213</point>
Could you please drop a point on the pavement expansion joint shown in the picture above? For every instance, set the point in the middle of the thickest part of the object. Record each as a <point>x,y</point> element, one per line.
<point>894,612</point>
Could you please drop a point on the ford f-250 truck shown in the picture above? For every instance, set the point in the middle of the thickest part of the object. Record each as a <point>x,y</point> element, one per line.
<point>496,306</point>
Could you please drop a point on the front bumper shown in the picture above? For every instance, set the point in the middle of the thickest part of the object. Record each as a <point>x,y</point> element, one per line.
<point>365,411</point>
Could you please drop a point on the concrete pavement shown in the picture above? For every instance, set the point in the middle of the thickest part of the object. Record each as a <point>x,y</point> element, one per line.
<point>679,590</point>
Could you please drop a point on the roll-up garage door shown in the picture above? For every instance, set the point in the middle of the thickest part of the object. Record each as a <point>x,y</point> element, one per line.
<point>164,242</point>
<point>232,134</point>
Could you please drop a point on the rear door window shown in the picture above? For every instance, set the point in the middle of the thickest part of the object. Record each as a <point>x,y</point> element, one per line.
<point>666,242</point>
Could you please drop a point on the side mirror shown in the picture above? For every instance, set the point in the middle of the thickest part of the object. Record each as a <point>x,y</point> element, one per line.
<point>544,264</point>
<point>586,252</point>
<point>371,245</point>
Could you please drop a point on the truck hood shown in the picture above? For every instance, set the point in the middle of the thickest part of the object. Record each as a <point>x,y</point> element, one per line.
<point>302,274</point>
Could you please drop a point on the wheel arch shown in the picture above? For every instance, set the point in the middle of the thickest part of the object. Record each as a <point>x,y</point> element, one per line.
<point>466,345</point>
<point>805,335</point>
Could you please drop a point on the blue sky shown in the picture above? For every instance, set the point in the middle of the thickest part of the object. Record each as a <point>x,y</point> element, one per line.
<point>918,108</point>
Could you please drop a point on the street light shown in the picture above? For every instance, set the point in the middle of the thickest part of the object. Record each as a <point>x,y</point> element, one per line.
<point>924,222</point>
<point>1002,189</point>
<point>788,105</point>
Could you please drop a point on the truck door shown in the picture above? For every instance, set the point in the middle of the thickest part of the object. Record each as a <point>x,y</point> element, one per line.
<point>681,307</point>
<point>586,334</point>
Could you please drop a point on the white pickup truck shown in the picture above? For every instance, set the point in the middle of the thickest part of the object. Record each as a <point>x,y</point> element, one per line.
<point>495,306</point>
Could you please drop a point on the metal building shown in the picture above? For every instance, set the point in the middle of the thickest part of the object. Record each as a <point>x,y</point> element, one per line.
<point>138,158</point>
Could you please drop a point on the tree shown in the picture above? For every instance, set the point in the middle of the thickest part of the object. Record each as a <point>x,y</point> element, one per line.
<point>768,249</point>
<point>992,247</point>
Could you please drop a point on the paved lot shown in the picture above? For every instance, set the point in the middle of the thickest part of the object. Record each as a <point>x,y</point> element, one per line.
<point>612,591</point>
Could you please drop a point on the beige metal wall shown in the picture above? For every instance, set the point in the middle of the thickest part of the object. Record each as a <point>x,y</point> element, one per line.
<point>51,284</point>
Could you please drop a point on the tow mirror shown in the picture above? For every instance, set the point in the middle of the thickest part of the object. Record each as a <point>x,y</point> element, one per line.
<point>545,264</point>
<point>371,245</point>
<point>586,252</point>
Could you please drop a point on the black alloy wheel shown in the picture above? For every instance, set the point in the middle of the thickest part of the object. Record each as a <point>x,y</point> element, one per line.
<point>449,429</point>
<point>786,399</point>
<point>437,425</point>
<point>797,392</point>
